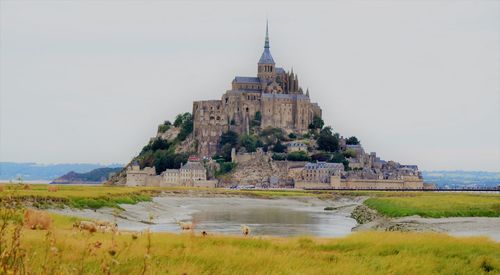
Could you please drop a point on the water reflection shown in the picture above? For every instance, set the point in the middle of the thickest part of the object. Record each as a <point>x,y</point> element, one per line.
<point>277,217</point>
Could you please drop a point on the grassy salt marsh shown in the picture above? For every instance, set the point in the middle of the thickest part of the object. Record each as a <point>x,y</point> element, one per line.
<point>392,204</point>
<point>63,250</point>
<point>437,205</point>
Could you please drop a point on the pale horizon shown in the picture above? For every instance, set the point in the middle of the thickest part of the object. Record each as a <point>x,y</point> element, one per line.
<point>418,83</point>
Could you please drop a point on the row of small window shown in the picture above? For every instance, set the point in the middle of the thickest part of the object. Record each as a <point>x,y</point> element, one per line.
<point>266,69</point>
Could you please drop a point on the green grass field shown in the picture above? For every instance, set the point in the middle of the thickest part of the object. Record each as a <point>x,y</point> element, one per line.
<point>437,205</point>
<point>63,250</point>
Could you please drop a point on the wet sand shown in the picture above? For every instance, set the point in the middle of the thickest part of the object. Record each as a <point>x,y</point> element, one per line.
<point>225,215</point>
<point>301,216</point>
<point>457,226</point>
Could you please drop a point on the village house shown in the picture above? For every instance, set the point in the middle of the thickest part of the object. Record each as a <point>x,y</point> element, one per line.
<point>296,147</point>
<point>191,174</point>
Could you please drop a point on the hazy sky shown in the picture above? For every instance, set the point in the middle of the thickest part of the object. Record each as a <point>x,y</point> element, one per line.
<point>89,81</point>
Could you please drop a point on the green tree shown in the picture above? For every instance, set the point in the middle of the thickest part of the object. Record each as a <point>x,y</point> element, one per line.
<point>230,137</point>
<point>161,161</point>
<point>257,120</point>
<point>352,141</point>
<point>186,126</point>
<point>258,116</point>
<point>317,123</point>
<point>249,142</point>
<point>292,136</point>
<point>338,157</point>
<point>225,151</point>
<point>327,141</point>
<point>159,144</point>
<point>279,147</point>
<point>181,118</point>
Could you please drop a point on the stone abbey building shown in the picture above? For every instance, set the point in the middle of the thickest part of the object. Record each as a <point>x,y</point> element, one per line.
<point>274,94</point>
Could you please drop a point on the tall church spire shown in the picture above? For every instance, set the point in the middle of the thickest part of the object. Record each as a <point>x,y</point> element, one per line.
<point>266,44</point>
<point>266,57</point>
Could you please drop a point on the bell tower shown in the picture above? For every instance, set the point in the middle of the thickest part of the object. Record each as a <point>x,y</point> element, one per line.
<point>266,70</point>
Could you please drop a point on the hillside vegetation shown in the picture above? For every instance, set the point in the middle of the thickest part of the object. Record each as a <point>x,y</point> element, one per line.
<point>96,175</point>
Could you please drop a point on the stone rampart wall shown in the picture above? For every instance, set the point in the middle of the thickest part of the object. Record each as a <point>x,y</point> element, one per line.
<point>378,184</point>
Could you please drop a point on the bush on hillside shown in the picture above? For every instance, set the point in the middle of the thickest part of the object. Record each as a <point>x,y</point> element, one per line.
<point>225,168</point>
<point>229,137</point>
<point>279,156</point>
<point>279,147</point>
<point>298,156</point>
<point>322,156</point>
<point>272,135</point>
<point>250,142</point>
<point>186,125</point>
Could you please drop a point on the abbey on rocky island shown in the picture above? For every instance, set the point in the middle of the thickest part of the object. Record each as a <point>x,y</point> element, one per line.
<point>273,96</point>
<point>302,153</point>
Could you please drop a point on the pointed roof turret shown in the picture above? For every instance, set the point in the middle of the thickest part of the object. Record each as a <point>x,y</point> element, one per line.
<point>266,57</point>
<point>307,92</point>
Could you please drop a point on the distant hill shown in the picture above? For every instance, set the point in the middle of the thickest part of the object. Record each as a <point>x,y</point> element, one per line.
<point>462,179</point>
<point>95,176</point>
<point>44,172</point>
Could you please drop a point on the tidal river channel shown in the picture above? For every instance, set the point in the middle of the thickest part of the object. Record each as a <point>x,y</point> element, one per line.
<point>225,215</point>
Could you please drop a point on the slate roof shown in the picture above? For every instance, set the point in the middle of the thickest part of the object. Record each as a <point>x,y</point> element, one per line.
<point>324,165</point>
<point>246,79</point>
<point>192,166</point>
<point>266,57</point>
<point>291,96</point>
<point>296,144</point>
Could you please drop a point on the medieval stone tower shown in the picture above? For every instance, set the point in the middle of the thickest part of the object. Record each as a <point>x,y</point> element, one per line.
<point>274,93</point>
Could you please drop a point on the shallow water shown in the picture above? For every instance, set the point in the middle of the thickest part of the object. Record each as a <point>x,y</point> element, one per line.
<point>277,217</point>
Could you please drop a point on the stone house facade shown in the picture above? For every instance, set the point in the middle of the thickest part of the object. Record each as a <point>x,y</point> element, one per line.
<point>140,177</point>
<point>296,147</point>
<point>191,174</point>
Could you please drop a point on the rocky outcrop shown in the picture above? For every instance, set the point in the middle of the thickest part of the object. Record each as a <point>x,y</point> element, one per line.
<point>255,171</point>
<point>170,134</point>
<point>362,214</point>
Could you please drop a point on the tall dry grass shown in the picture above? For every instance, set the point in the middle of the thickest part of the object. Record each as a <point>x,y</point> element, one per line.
<point>62,250</point>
